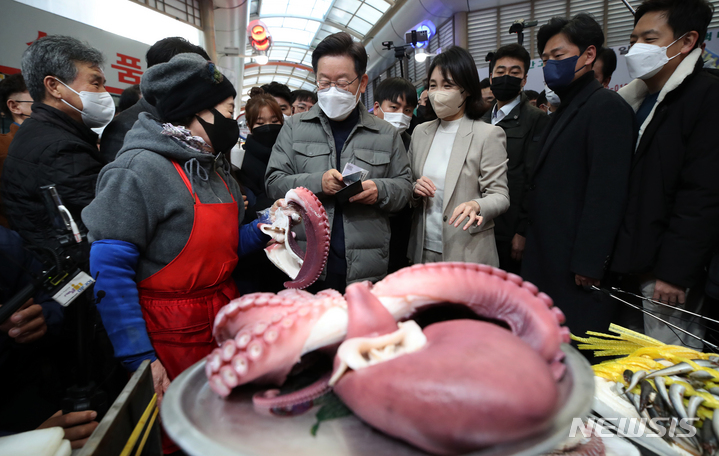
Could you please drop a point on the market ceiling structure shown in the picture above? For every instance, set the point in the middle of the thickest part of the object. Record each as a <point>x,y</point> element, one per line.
<point>297,27</point>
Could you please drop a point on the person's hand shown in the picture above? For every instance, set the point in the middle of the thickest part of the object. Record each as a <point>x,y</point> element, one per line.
<point>160,380</point>
<point>244,199</point>
<point>368,195</point>
<point>668,293</point>
<point>27,324</point>
<point>78,426</point>
<point>424,188</point>
<point>585,281</point>
<point>332,182</point>
<point>470,210</point>
<point>518,242</point>
<point>278,204</point>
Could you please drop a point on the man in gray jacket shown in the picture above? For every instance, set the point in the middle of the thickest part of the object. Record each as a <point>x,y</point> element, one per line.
<point>314,147</point>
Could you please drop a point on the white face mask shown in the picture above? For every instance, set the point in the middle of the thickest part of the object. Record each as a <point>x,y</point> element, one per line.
<point>98,109</point>
<point>398,120</point>
<point>337,104</point>
<point>646,60</point>
<point>446,103</point>
<point>552,98</point>
<point>285,116</point>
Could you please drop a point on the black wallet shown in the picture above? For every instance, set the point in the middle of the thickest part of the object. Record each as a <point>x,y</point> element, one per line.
<point>344,195</point>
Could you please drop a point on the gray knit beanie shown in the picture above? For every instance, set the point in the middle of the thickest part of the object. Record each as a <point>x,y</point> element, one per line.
<point>184,86</point>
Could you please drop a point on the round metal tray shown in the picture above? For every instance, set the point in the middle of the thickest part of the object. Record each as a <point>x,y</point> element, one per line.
<point>203,424</point>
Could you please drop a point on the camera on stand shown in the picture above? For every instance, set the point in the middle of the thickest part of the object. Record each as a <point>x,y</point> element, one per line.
<point>400,52</point>
<point>518,28</point>
<point>63,257</point>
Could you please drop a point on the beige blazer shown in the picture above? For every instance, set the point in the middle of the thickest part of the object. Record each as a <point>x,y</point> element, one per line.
<point>477,170</point>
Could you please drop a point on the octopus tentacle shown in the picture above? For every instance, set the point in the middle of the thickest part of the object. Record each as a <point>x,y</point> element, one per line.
<point>489,292</point>
<point>272,403</point>
<point>263,335</point>
<point>303,267</point>
<point>317,228</point>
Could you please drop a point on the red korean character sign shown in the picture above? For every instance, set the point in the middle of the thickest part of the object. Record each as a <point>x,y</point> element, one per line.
<point>129,69</point>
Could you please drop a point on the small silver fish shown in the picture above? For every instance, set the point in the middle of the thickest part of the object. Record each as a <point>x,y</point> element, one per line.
<point>647,394</point>
<point>677,369</point>
<point>693,406</point>
<point>701,375</point>
<point>708,439</point>
<point>661,385</point>
<point>676,394</point>
<point>636,378</point>
<point>706,363</point>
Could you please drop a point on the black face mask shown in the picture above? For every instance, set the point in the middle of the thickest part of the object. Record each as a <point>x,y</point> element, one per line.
<point>223,134</point>
<point>506,88</point>
<point>266,134</point>
<point>424,114</point>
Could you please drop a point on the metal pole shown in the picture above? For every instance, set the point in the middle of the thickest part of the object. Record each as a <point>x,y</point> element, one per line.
<point>629,7</point>
<point>677,308</point>
<point>207,16</point>
<point>711,345</point>
<point>230,19</point>
<point>241,17</point>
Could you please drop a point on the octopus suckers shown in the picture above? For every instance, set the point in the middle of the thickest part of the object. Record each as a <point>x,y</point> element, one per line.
<point>255,350</point>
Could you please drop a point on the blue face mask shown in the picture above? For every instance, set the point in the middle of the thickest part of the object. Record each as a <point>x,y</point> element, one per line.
<point>560,73</point>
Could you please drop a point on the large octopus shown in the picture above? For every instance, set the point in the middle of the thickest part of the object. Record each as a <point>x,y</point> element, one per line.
<point>454,387</point>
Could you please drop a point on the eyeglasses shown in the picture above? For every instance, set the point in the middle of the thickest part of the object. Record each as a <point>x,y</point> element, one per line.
<point>23,101</point>
<point>341,84</point>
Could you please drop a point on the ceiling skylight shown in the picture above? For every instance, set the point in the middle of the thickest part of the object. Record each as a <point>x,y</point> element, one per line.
<point>291,29</point>
<point>314,9</point>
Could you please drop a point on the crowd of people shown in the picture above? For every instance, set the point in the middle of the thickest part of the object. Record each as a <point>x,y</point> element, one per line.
<point>575,189</point>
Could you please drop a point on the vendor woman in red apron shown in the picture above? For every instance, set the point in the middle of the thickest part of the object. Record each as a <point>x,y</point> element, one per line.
<point>165,224</point>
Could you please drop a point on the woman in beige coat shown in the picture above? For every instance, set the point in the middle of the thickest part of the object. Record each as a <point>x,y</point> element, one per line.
<point>459,164</point>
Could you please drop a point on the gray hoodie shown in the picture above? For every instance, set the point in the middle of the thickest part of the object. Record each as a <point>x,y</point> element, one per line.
<point>141,198</point>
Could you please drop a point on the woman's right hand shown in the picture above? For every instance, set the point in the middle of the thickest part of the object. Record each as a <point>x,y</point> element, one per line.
<point>160,380</point>
<point>424,187</point>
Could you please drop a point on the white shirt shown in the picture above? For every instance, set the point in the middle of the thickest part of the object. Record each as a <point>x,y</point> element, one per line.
<point>435,168</point>
<point>499,114</point>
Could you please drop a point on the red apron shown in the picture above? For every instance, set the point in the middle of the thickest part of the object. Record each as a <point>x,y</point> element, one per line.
<point>180,301</point>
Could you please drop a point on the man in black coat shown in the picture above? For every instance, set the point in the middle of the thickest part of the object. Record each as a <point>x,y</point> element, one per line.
<point>523,124</point>
<point>56,145</point>
<point>113,136</point>
<point>579,186</point>
<point>671,226</point>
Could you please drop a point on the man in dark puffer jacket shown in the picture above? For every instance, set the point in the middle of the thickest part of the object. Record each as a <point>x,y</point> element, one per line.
<point>56,144</point>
